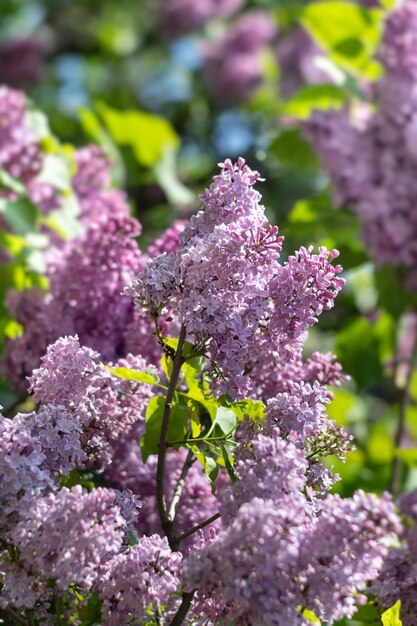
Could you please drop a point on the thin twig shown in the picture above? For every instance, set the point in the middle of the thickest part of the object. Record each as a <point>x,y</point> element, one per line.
<point>180,484</point>
<point>405,401</point>
<point>187,598</point>
<point>193,530</point>
<point>166,521</point>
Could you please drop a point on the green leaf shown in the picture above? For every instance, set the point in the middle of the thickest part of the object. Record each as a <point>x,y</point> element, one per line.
<point>391,617</point>
<point>56,171</point>
<point>191,370</point>
<point>227,459</point>
<point>38,122</point>
<point>225,420</point>
<point>291,149</point>
<point>193,412</point>
<point>357,348</point>
<point>310,617</point>
<point>153,421</point>
<point>65,219</point>
<point>177,428</point>
<point>13,329</point>
<point>348,32</point>
<point>148,376</point>
<point>369,614</point>
<point>166,175</point>
<point>9,182</point>
<point>392,295</point>
<point>172,342</point>
<point>90,613</point>
<point>95,130</point>
<point>21,215</point>
<point>208,463</point>
<point>379,445</point>
<point>314,97</point>
<point>254,409</point>
<point>343,404</point>
<point>147,135</point>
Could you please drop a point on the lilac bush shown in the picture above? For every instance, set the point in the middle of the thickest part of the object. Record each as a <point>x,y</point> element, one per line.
<point>173,466</point>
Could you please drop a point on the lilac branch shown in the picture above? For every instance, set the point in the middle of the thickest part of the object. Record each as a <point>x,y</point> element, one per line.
<point>165,518</point>
<point>187,598</point>
<point>193,530</point>
<point>180,484</point>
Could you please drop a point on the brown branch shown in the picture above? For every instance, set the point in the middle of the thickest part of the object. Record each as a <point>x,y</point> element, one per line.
<point>187,598</point>
<point>194,529</point>
<point>165,518</point>
<point>180,484</point>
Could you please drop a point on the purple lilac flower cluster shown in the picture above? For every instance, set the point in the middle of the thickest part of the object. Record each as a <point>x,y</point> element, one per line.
<point>233,64</point>
<point>228,288</point>
<point>380,186</point>
<point>65,537</point>
<point>398,579</point>
<point>86,278</point>
<point>21,153</point>
<point>318,553</point>
<point>181,16</point>
<point>297,58</point>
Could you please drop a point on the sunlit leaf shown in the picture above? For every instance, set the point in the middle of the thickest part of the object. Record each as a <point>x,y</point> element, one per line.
<point>177,428</point>
<point>147,135</point>
<point>166,175</point>
<point>391,617</point>
<point>225,420</point>
<point>55,171</point>
<point>20,215</point>
<point>9,182</point>
<point>349,32</point>
<point>310,617</point>
<point>208,463</point>
<point>147,376</point>
<point>314,97</point>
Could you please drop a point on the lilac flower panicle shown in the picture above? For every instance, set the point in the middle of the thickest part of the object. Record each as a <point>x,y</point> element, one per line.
<point>168,241</point>
<point>398,576</point>
<point>68,534</point>
<point>296,55</point>
<point>87,276</point>
<point>318,553</point>
<point>380,186</point>
<point>152,571</point>
<point>300,410</point>
<point>273,467</point>
<point>23,474</point>
<point>21,61</point>
<point>103,407</point>
<point>233,64</point>
<point>92,173</point>
<point>345,551</point>
<point>226,285</point>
